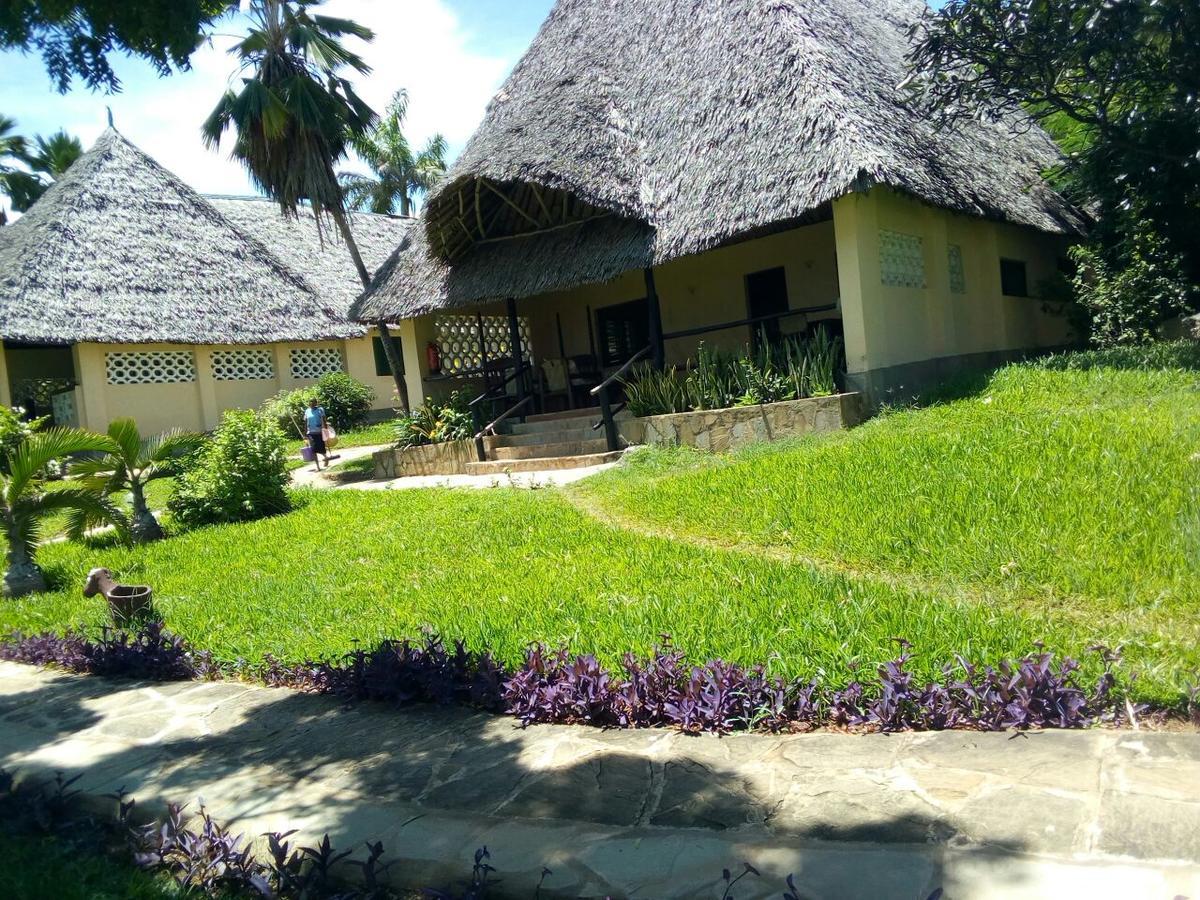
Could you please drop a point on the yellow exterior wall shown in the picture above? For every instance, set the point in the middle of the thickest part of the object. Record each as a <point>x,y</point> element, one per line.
<point>5,390</point>
<point>889,326</point>
<point>198,405</point>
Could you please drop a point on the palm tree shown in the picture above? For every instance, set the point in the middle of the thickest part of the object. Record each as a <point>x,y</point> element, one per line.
<point>132,463</point>
<point>25,502</point>
<point>400,174</point>
<point>13,148</point>
<point>54,155</point>
<point>295,117</point>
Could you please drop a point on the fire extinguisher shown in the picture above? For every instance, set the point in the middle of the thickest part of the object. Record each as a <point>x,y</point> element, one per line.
<point>433,358</point>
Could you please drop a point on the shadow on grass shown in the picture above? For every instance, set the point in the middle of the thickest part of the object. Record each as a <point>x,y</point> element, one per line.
<point>433,783</point>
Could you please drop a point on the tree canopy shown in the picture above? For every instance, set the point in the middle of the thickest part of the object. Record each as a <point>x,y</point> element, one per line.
<point>76,37</point>
<point>1117,83</point>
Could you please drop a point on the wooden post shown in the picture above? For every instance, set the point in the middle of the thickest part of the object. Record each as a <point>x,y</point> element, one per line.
<point>514,344</point>
<point>562,355</point>
<point>656,328</point>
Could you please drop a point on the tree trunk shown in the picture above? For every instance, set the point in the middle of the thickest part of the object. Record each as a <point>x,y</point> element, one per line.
<point>23,576</point>
<point>389,351</point>
<point>144,527</point>
<point>405,205</point>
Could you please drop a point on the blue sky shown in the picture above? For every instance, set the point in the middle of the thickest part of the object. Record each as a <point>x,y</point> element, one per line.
<point>451,55</point>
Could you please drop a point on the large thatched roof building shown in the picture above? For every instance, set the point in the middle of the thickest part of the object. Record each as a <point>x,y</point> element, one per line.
<point>656,174</point>
<point>128,293</point>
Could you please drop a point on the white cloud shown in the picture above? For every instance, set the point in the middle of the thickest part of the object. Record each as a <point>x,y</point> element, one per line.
<point>420,45</point>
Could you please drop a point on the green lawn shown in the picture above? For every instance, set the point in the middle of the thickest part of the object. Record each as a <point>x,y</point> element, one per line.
<point>1055,505</point>
<point>39,867</point>
<point>367,436</point>
<point>157,494</point>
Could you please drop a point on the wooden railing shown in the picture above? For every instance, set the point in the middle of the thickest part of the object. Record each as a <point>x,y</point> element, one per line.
<point>601,393</point>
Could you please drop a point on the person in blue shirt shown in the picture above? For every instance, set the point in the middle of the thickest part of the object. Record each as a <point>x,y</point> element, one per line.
<point>314,423</point>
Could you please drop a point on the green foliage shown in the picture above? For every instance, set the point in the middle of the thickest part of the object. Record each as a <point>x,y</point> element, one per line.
<point>1116,84</point>
<point>789,370</point>
<point>14,431</point>
<point>346,402</point>
<point>400,174</point>
<point>241,474</point>
<point>1127,301</point>
<point>76,38</point>
<point>436,422</point>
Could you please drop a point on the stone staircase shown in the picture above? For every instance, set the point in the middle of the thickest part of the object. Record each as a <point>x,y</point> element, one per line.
<point>544,442</point>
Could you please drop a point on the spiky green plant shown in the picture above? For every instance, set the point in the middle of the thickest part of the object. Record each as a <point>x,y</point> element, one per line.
<point>25,501</point>
<point>131,464</point>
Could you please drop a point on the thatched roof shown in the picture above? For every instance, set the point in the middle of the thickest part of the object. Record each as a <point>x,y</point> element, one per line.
<point>708,122</point>
<point>120,250</point>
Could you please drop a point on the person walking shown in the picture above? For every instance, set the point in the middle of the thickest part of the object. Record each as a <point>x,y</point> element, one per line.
<point>315,424</point>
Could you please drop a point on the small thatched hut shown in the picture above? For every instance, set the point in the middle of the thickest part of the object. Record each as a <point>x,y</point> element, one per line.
<point>652,168</point>
<point>123,292</point>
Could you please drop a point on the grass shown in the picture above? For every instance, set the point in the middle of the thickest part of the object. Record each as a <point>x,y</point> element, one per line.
<point>1052,502</point>
<point>157,494</point>
<point>39,867</point>
<point>367,436</point>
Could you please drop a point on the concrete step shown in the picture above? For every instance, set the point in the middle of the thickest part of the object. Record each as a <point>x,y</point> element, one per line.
<point>541,464</point>
<point>564,414</point>
<point>564,448</point>
<point>543,437</point>
<point>544,425</point>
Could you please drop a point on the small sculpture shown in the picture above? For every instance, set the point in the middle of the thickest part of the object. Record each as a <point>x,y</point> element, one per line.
<point>127,603</point>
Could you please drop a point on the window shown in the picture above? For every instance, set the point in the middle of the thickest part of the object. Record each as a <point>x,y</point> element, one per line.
<point>624,330</point>
<point>1014,279</point>
<point>901,259</point>
<point>381,361</point>
<point>458,340</point>
<point>766,295</point>
<point>310,363</point>
<point>243,365</point>
<point>150,367</point>
<point>958,273</point>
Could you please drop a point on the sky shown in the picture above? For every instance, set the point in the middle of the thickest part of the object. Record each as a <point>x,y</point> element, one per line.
<point>451,55</point>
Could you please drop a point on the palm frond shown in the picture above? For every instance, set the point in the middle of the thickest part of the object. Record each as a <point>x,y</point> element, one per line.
<point>42,448</point>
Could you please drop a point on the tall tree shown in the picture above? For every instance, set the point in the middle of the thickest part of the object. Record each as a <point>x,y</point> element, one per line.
<point>400,174</point>
<point>13,149</point>
<point>76,38</point>
<point>295,116</point>
<point>51,159</point>
<point>1117,83</point>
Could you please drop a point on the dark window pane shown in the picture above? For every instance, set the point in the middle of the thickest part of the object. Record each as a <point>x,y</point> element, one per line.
<point>1014,280</point>
<point>381,363</point>
<point>624,329</point>
<point>766,295</point>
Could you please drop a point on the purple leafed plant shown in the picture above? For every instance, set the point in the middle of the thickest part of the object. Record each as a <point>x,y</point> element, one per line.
<point>663,689</point>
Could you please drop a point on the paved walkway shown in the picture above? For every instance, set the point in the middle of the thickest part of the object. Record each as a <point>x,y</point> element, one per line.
<point>307,477</point>
<point>650,813</point>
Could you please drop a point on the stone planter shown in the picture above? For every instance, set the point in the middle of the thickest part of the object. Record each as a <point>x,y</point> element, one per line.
<point>432,459</point>
<point>727,429</point>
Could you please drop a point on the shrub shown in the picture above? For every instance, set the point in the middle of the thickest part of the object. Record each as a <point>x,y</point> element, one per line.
<point>346,402</point>
<point>436,422</point>
<point>241,474</point>
<point>1128,302</point>
<point>14,430</point>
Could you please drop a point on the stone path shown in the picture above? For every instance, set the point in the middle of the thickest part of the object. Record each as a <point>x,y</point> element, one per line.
<point>650,814</point>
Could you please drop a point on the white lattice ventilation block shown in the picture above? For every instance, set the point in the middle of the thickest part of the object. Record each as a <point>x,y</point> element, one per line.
<point>458,340</point>
<point>150,367</point>
<point>901,259</point>
<point>958,272</point>
<point>243,365</point>
<point>312,362</point>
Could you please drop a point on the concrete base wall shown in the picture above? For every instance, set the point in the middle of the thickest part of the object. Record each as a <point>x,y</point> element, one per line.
<point>903,382</point>
<point>432,459</point>
<point>726,429</point>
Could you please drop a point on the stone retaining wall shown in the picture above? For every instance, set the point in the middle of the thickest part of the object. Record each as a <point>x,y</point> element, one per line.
<point>727,429</point>
<point>432,459</point>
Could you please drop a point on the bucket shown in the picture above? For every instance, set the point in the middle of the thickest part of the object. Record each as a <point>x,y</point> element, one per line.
<point>306,454</point>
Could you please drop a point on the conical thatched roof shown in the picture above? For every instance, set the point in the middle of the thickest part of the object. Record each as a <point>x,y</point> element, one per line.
<point>121,250</point>
<point>708,122</point>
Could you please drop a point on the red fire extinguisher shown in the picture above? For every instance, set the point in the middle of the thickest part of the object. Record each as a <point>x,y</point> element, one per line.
<point>433,358</point>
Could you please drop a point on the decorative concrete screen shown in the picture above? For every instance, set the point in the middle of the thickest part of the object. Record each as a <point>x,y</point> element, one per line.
<point>458,341</point>
<point>150,367</point>
<point>958,274</point>
<point>313,362</point>
<point>243,365</point>
<point>901,259</point>
<point>65,413</point>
